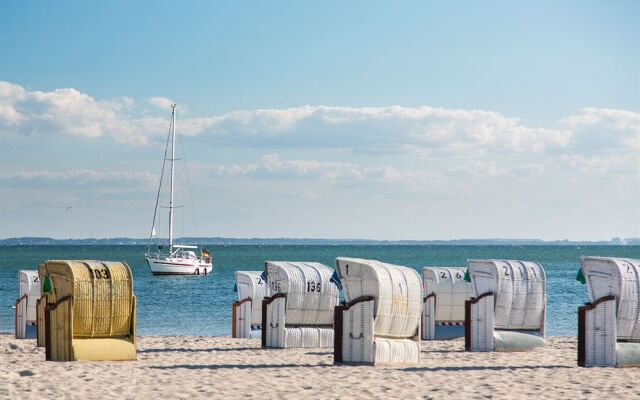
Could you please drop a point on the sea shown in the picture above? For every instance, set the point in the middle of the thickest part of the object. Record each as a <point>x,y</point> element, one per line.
<point>201,305</point>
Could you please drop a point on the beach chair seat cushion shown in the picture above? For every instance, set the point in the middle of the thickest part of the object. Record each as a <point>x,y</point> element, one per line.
<point>308,337</point>
<point>112,349</point>
<point>255,334</point>
<point>628,354</point>
<point>396,351</point>
<point>516,341</point>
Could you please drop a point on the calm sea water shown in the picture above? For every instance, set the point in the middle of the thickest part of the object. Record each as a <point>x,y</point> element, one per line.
<point>192,305</point>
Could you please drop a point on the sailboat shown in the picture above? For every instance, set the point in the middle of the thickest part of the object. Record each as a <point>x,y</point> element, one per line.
<point>172,258</point>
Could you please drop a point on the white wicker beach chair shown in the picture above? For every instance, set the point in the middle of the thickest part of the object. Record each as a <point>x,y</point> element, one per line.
<point>508,310</point>
<point>380,320</point>
<point>246,313</point>
<point>299,312</point>
<point>26,316</point>
<point>609,325</point>
<point>445,292</point>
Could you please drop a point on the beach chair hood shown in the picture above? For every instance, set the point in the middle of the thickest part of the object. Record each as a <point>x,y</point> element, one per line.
<point>397,292</point>
<point>311,294</point>
<point>619,277</point>
<point>250,284</point>
<point>450,289</point>
<point>519,289</point>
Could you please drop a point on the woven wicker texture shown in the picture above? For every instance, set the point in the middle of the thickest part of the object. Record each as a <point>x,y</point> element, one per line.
<point>275,323</point>
<point>42,270</point>
<point>451,291</point>
<point>251,284</point>
<point>397,292</point>
<point>600,335</point>
<point>482,325</point>
<point>308,337</point>
<point>242,324</point>
<point>357,335</point>
<point>102,296</point>
<point>619,277</point>
<point>520,291</point>
<point>360,345</point>
<point>395,351</point>
<point>311,296</point>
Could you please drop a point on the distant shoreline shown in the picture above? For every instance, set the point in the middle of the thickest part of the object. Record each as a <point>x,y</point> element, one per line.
<point>220,241</point>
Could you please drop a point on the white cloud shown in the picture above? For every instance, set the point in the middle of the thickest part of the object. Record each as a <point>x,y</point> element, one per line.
<point>627,165</point>
<point>378,127</point>
<point>425,130</point>
<point>71,112</point>
<point>10,115</point>
<point>479,143</point>
<point>603,128</point>
<point>273,167</point>
<point>162,103</point>
<point>11,91</point>
<point>82,178</point>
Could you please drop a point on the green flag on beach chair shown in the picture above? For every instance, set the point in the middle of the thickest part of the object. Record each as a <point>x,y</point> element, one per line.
<point>46,285</point>
<point>580,277</point>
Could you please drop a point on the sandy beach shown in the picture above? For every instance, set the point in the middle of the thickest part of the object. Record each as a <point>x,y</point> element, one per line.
<point>220,367</point>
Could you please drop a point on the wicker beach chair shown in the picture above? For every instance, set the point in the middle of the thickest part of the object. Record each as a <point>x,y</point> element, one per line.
<point>40,305</point>
<point>299,312</point>
<point>25,313</point>
<point>246,314</point>
<point>90,311</point>
<point>380,320</point>
<point>609,325</point>
<point>508,310</point>
<point>445,292</point>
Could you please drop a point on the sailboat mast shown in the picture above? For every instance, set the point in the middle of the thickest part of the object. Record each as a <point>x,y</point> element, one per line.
<point>173,160</point>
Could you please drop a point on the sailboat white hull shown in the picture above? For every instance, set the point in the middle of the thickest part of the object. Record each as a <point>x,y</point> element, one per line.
<point>178,266</point>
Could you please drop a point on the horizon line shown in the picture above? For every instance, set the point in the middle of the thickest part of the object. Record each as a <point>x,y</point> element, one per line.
<point>614,240</point>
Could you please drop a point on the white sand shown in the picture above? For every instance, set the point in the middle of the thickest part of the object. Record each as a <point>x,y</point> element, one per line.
<point>194,367</point>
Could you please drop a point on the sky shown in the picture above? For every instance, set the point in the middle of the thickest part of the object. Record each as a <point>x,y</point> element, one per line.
<point>361,119</point>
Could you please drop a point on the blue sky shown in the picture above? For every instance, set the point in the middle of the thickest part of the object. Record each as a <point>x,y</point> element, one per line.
<point>387,120</point>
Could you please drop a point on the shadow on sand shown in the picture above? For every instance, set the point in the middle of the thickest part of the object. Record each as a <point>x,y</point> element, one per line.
<point>239,366</point>
<point>320,353</point>
<point>484,368</point>
<point>210,350</point>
